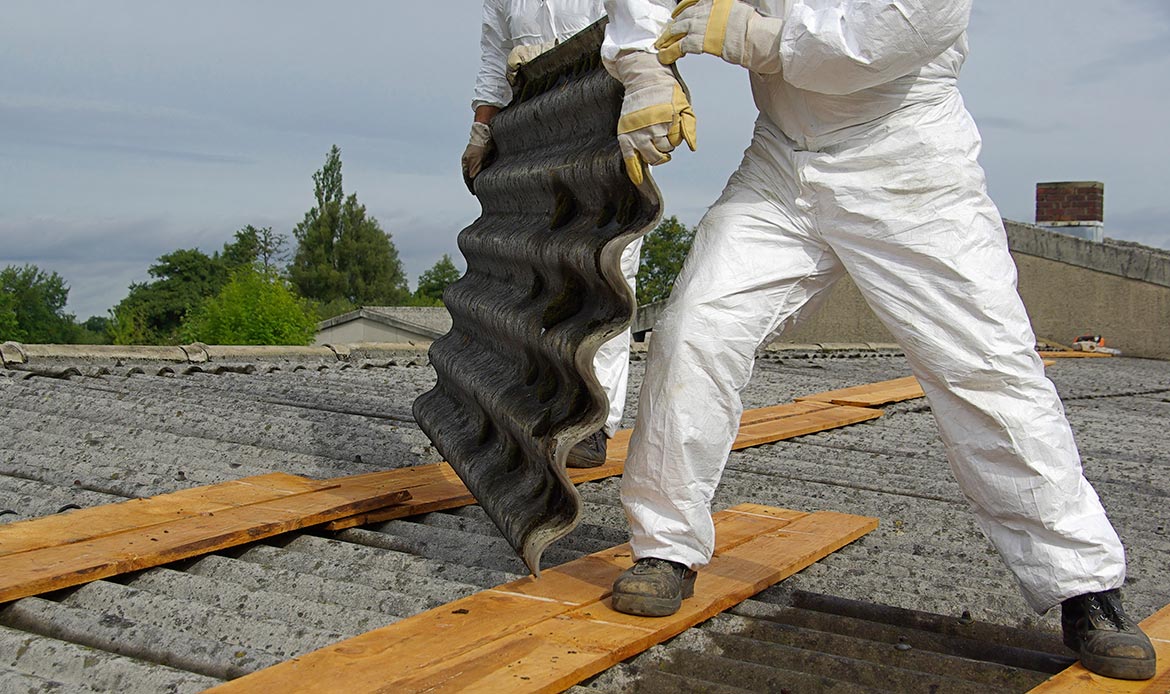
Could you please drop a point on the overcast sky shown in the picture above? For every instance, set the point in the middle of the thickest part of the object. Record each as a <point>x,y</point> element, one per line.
<point>132,128</point>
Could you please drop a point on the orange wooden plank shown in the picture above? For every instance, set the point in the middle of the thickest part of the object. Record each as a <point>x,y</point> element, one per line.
<point>807,423</point>
<point>442,488</point>
<point>88,523</point>
<point>1072,354</point>
<point>871,394</point>
<point>1078,680</point>
<point>543,635</point>
<point>61,566</point>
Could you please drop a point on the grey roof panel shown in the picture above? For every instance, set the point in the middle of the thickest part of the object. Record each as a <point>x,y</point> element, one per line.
<point>187,625</point>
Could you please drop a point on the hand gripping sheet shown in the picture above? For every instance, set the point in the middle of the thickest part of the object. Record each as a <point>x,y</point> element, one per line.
<point>543,290</point>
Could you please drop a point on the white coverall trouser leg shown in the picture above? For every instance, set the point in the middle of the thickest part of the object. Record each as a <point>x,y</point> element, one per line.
<point>611,364</point>
<point>909,219</point>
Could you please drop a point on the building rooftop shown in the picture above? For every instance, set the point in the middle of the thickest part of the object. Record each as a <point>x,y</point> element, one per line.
<point>922,600</point>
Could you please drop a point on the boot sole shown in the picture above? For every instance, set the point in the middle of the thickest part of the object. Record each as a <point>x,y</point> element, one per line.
<point>1119,668</point>
<point>648,606</point>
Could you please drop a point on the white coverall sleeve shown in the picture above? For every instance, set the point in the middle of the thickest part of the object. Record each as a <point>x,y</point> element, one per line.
<point>634,25</point>
<point>844,46</point>
<point>491,83</point>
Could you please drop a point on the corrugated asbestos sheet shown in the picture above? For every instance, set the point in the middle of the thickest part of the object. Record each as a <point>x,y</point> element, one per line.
<point>543,290</point>
<point>85,431</point>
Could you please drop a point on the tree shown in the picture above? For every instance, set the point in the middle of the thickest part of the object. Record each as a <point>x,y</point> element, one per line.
<point>663,253</point>
<point>253,308</point>
<point>183,279</point>
<point>263,248</point>
<point>432,282</point>
<point>33,306</point>
<point>9,325</point>
<point>342,253</point>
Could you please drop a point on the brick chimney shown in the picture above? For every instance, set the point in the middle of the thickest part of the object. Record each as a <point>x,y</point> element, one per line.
<point>1076,208</point>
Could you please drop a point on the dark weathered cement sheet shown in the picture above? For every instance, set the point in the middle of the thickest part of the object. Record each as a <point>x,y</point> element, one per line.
<point>543,290</point>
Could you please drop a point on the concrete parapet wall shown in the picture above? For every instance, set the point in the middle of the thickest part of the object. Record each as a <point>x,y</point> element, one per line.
<point>1070,287</point>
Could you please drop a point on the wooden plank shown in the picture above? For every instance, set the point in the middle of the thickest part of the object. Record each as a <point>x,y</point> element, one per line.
<point>870,394</point>
<point>61,566</point>
<point>757,427</point>
<point>1072,354</point>
<point>807,423</point>
<point>1078,680</point>
<point>544,635</point>
<point>88,523</point>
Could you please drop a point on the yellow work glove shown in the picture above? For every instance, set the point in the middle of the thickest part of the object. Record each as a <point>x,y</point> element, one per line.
<point>730,29</point>
<point>525,54</point>
<point>656,113</point>
<point>477,154</point>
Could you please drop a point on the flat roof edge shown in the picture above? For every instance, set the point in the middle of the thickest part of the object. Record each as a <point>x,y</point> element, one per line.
<point>1131,261</point>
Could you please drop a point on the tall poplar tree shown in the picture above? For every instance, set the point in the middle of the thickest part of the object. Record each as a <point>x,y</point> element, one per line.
<point>342,253</point>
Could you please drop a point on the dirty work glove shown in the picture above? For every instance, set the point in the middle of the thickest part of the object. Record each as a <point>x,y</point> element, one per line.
<point>526,54</point>
<point>656,113</point>
<point>730,29</point>
<point>475,157</point>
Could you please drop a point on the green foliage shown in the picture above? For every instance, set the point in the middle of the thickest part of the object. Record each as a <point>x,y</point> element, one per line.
<point>432,282</point>
<point>183,279</point>
<point>127,325</point>
<point>32,307</point>
<point>253,308</point>
<point>9,325</point>
<point>262,248</point>
<point>329,309</point>
<point>663,253</point>
<point>94,331</point>
<point>341,252</point>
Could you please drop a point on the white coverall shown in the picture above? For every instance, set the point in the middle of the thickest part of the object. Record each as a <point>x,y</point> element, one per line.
<point>511,23</point>
<point>863,161</point>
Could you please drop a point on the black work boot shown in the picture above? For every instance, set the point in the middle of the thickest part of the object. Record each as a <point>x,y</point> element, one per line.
<point>653,588</point>
<point>589,453</point>
<point>1107,641</point>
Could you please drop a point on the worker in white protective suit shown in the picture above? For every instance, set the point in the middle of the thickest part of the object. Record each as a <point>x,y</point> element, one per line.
<point>515,32</point>
<point>863,161</point>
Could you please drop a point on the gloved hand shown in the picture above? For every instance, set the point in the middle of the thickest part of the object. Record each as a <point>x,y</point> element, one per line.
<point>730,29</point>
<point>656,113</point>
<point>525,54</point>
<point>477,154</point>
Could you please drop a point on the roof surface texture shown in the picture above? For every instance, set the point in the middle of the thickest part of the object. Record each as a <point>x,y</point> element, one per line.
<point>922,601</point>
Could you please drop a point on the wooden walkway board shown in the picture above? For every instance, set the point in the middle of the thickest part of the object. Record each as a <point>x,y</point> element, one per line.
<point>440,488</point>
<point>1072,354</point>
<point>547,634</point>
<point>1078,680</point>
<point>117,538</point>
<point>870,394</point>
<point>88,523</point>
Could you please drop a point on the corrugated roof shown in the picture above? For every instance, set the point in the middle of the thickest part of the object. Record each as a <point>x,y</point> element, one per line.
<point>884,614</point>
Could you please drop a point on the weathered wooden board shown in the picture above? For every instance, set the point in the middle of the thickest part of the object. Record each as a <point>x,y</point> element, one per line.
<point>88,523</point>
<point>547,634</point>
<point>870,394</point>
<point>442,488</point>
<point>119,546</point>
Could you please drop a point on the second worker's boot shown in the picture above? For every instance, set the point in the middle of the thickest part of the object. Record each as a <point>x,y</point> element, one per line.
<point>590,452</point>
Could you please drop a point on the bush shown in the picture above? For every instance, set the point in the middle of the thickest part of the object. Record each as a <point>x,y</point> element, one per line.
<point>253,308</point>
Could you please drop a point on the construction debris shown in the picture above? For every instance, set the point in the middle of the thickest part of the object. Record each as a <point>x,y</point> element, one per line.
<point>543,290</point>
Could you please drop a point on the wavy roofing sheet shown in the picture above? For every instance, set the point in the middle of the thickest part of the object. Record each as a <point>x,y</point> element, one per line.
<point>543,290</point>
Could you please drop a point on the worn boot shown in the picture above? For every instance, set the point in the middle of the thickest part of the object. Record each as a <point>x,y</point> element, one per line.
<point>1107,641</point>
<point>589,453</point>
<point>653,588</point>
